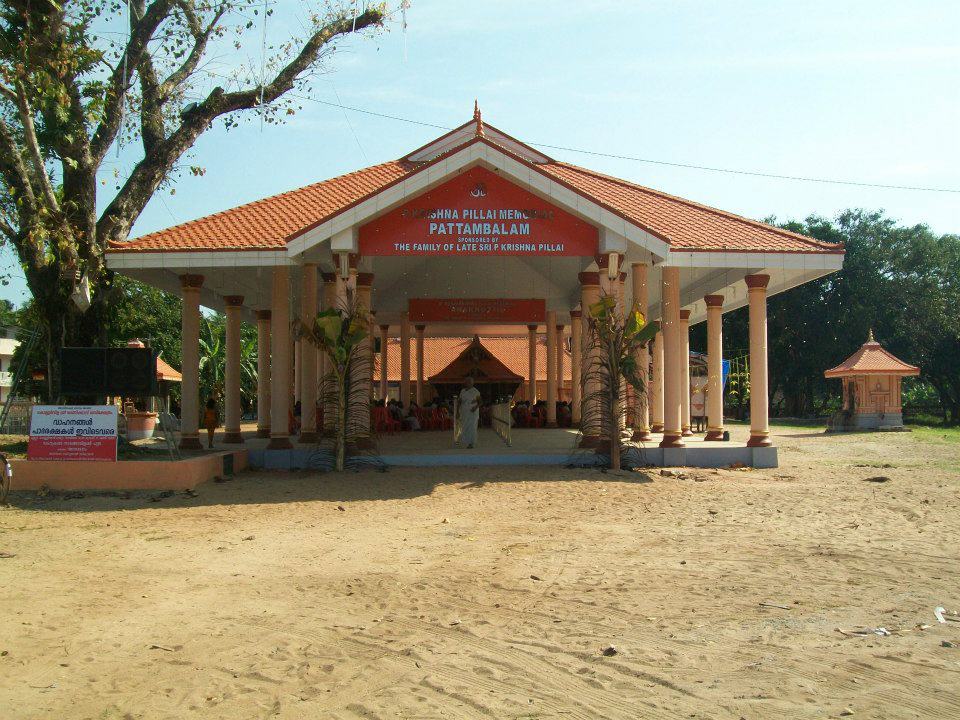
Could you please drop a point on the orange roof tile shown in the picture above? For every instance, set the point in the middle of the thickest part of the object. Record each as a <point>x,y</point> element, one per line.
<point>438,352</point>
<point>872,359</point>
<point>165,372</point>
<point>266,224</point>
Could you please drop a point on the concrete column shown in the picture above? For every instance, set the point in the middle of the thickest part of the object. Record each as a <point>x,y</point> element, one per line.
<point>672,349</point>
<point>551,368</point>
<point>685,373</point>
<point>190,361</point>
<point>759,411</point>
<point>231,375</point>
<point>714,367</point>
<point>405,359</point>
<point>360,409</point>
<point>532,360</point>
<point>559,362</point>
<point>576,366</point>
<point>329,302</point>
<point>308,358</point>
<point>297,369</point>
<point>420,379</point>
<point>641,431</point>
<point>281,361</point>
<point>263,373</point>
<point>656,385</point>
<point>590,418</point>
<point>384,361</point>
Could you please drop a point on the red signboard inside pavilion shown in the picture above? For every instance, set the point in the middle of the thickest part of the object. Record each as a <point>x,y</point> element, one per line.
<point>478,213</point>
<point>506,310</point>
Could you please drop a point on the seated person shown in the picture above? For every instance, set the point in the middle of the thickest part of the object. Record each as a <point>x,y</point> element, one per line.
<point>410,419</point>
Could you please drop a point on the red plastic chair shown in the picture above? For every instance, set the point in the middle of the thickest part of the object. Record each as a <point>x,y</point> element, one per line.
<point>382,422</point>
<point>441,420</point>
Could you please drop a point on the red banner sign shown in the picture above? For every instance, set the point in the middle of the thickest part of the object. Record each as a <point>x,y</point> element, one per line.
<point>478,213</point>
<point>71,432</point>
<point>493,310</point>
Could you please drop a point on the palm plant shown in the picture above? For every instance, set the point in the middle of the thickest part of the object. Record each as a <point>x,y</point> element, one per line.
<point>213,357</point>
<point>614,341</point>
<point>342,334</point>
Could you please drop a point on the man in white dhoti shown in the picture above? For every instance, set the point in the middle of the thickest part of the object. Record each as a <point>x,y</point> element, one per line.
<point>469,401</point>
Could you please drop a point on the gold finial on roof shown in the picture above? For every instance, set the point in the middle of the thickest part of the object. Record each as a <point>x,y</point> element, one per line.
<point>478,118</point>
<point>870,336</point>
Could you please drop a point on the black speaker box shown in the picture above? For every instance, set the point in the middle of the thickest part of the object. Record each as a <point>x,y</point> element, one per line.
<point>108,371</point>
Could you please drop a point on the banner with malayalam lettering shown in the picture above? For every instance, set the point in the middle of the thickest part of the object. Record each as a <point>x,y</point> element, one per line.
<point>73,432</point>
<point>505,310</point>
<point>478,213</point>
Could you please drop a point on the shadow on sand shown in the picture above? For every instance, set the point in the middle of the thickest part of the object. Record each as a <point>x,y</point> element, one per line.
<point>264,487</point>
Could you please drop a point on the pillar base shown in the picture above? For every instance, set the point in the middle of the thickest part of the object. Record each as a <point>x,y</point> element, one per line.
<point>232,437</point>
<point>656,428</point>
<point>672,440</point>
<point>642,435</point>
<point>686,432</point>
<point>263,432</point>
<point>591,441</point>
<point>279,442</point>
<point>308,437</point>
<point>549,424</point>
<point>190,442</point>
<point>714,435</point>
<point>759,441</point>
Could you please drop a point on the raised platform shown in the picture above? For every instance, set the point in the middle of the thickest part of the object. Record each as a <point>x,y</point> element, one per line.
<point>529,447</point>
<point>127,474</point>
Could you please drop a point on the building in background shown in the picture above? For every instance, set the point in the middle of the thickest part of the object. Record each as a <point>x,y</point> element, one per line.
<point>8,344</point>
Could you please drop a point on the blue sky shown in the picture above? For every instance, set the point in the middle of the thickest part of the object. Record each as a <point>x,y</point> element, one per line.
<point>848,90</point>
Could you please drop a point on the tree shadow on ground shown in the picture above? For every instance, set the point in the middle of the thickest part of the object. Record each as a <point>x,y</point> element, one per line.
<point>266,487</point>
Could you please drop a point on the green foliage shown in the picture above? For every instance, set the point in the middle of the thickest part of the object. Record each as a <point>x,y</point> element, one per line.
<point>903,282</point>
<point>615,341</point>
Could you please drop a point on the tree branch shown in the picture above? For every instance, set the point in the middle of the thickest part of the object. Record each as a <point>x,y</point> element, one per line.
<point>141,32</point>
<point>118,218</point>
<point>201,37</point>
<point>33,147</point>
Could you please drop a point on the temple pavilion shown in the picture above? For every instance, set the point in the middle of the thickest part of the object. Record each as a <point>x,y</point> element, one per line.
<point>478,234</point>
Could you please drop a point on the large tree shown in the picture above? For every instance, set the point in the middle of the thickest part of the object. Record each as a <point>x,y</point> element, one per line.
<point>70,91</point>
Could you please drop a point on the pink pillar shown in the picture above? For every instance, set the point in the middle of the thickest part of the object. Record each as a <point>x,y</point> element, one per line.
<point>685,373</point>
<point>714,367</point>
<point>656,385</point>
<point>551,368</point>
<point>590,414</point>
<point>384,361</point>
<point>231,375</point>
<point>281,361</point>
<point>532,363</point>
<point>190,363</point>
<point>559,380</point>
<point>263,373</point>
<point>759,410</point>
<point>420,379</point>
<point>309,304</point>
<point>405,359</point>
<point>641,431</point>
<point>576,366</point>
<point>672,348</point>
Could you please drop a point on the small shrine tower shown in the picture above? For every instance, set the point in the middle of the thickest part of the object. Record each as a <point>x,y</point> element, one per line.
<point>871,389</point>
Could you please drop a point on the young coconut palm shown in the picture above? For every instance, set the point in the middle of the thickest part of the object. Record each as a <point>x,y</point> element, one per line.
<point>614,342</point>
<point>342,335</point>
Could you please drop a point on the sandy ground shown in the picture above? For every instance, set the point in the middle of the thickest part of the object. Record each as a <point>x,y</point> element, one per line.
<point>491,592</point>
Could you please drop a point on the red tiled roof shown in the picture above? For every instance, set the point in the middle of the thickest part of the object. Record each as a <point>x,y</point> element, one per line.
<point>438,352</point>
<point>871,359</point>
<point>165,372</point>
<point>476,357</point>
<point>265,224</point>
<point>684,224</point>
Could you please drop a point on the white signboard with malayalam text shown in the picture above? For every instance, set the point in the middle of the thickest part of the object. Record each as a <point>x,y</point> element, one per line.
<point>73,432</point>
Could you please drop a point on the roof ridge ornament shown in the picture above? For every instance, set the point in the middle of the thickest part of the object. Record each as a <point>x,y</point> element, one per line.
<point>478,118</point>
<point>870,336</point>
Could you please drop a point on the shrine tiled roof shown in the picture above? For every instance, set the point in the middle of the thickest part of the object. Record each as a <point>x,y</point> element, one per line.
<point>872,359</point>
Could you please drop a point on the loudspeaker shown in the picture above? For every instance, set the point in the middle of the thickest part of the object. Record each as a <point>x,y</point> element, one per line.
<point>108,371</point>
